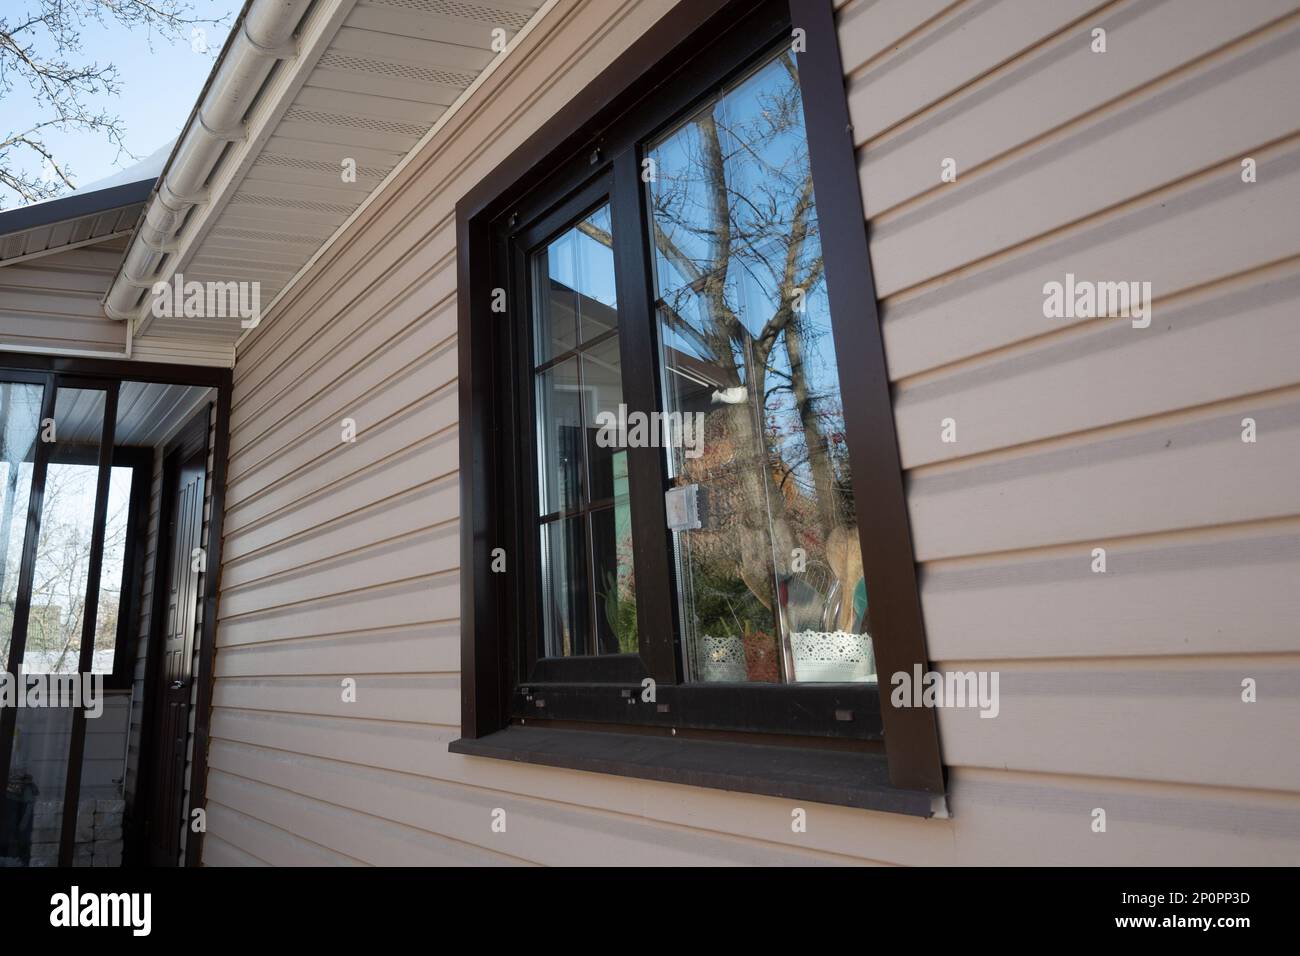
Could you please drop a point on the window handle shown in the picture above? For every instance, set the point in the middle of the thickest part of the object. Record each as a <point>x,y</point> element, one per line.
<point>682,508</point>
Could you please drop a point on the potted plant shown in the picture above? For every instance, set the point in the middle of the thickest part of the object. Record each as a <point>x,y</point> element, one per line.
<point>762,657</point>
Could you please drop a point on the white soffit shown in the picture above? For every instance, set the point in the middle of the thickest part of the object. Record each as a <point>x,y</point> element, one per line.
<point>372,85</point>
<point>90,229</point>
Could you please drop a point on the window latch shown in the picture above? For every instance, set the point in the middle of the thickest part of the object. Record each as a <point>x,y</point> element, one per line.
<point>682,508</point>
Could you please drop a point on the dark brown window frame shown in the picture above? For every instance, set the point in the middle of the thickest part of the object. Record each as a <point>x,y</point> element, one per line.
<point>893,763</point>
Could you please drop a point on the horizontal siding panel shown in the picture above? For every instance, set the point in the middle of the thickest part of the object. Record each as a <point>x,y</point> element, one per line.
<point>33,276</point>
<point>1226,592</point>
<point>404,285</point>
<point>422,750</point>
<point>57,315</point>
<point>427,648</point>
<point>383,479</point>
<point>153,348</point>
<point>217,852</point>
<point>1022,820</point>
<point>420,384</point>
<point>1150,142</point>
<point>975,38</point>
<point>271,845</point>
<point>535,830</point>
<point>342,381</point>
<point>868,28</point>
<point>1177,721</point>
<point>394,436</point>
<point>343,345</point>
<point>1051,85</point>
<point>416,601</point>
<point>378,522</point>
<point>421,699</point>
<point>390,300</point>
<point>1113,485</point>
<point>1211,229</point>
<point>1200,825</point>
<point>1214,346</point>
<point>428,551</point>
<point>360,836</point>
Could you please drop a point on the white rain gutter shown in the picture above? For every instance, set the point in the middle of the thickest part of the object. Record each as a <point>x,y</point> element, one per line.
<point>265,36</point>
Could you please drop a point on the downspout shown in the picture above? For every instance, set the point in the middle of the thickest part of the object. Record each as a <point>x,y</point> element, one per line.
<point>264,37</point>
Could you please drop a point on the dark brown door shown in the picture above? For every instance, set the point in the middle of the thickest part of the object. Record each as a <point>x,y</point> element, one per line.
<point>176,661</point>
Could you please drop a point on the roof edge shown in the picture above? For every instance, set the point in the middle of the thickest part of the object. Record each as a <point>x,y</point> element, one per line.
<point>75,206</point>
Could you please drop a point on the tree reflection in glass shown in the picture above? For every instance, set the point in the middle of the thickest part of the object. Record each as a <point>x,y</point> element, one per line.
<point>771,584</point>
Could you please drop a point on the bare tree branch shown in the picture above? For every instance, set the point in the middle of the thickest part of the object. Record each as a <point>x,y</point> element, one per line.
<point>41,50</point>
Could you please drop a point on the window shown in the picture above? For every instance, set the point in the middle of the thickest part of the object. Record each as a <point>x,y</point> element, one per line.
<point>670,456</point>
<point>67,550</point>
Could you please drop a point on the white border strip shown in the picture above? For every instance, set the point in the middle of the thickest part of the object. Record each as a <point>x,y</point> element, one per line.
<point>542,11</point>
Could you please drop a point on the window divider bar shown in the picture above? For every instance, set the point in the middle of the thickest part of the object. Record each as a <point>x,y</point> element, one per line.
<point>517,419</point>
<point>647,476</point>
<point>586,346</point>
<point>89,620</point>
<point>26,576</point>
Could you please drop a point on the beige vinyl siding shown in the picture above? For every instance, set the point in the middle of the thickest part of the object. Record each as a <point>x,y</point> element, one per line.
<point>188,350</point>
<point>53,301</point>
<point>1118,691</point>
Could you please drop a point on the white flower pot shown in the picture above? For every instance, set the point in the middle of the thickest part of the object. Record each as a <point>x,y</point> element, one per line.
<point>833,657</point>
<point>722,659</point>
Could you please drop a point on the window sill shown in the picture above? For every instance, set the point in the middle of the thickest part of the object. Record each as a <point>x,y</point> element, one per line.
<point>837,777</point>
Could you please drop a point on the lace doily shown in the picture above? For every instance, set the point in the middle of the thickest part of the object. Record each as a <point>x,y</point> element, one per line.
<point>722,658</point>
<point>833,656</point>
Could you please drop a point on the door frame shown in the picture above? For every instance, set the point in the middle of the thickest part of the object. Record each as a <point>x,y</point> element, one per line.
<point>191,438</point>
<point>111,372</point>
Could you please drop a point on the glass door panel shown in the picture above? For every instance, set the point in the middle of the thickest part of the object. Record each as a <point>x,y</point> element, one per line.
<point>60,576</point>
<point>63,549</point>
<point>113,568</point>
<point>20,419</point>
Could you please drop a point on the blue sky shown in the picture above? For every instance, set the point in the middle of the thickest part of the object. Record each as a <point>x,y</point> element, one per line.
<point>159,81</point>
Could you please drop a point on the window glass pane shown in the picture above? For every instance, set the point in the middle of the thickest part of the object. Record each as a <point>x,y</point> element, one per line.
<point>38,773</point>
<point>611,542</point>
<point>574,280</point>
<point>771,583</point>
<point>20,413</point>
<point>602,391</point>
<point>559,437</point>
<point>565,610</point>
<point>62,568</point>
<point>588,591</point>
<point>112,569</point>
